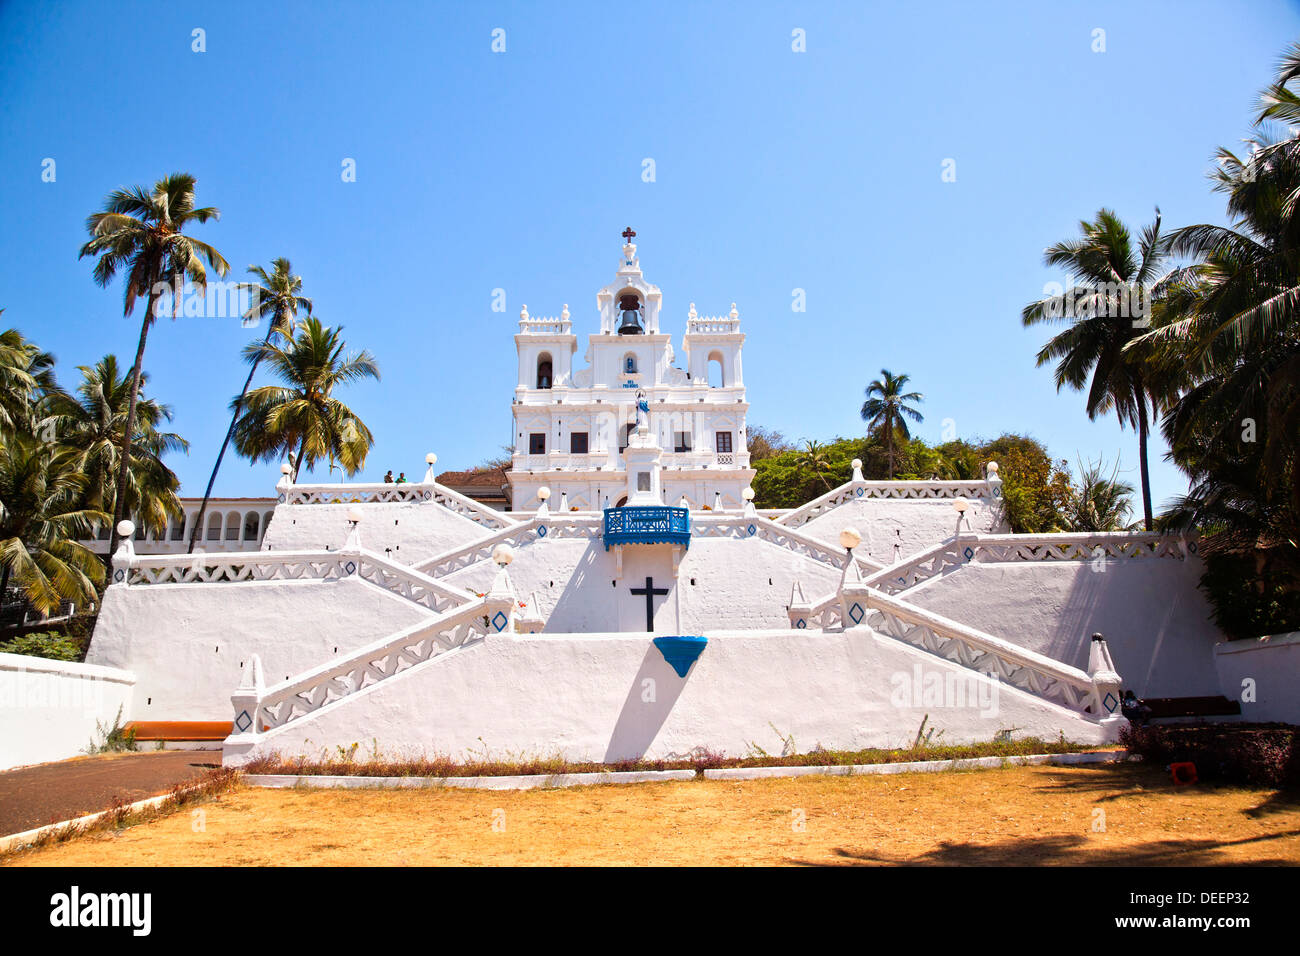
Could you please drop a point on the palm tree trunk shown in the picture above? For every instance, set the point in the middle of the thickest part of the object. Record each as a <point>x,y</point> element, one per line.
<point>1142,455</point>
<point>889,443</point>
<point>128,428</point>
<point>302,448</point>
<point>234,418</point>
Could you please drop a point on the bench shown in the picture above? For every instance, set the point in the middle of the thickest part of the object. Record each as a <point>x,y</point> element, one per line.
<point>1156,708</point>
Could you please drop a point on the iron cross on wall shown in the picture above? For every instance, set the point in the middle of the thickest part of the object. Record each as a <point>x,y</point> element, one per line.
<point>650,592</point>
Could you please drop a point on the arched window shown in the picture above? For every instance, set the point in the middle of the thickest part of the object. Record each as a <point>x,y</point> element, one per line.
<point>717,377</point>
<point>214,526</point>
<point>252,521</point>
<point>178,527</point>
<point>544,370</point>
<point>232,526</point>
<point>628,429</point>
<point>629,364</point>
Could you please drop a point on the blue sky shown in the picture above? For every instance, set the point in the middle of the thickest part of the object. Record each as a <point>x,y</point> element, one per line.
<point>775,170</point>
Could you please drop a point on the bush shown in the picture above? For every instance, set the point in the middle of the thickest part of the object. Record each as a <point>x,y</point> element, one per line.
<point>1263,755</point>
<point>47,644</point>
<point>1248,603</point>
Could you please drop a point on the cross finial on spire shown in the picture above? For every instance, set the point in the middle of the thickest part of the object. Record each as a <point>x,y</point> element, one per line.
<point>629,234</point>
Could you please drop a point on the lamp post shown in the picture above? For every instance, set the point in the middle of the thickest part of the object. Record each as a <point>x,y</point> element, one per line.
<point>959,505</point>
<point>748,495</point>
<point>430,459</point>
<point>543,493</point>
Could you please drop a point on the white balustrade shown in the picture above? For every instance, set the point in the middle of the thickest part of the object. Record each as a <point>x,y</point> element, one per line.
<point>393,492</point>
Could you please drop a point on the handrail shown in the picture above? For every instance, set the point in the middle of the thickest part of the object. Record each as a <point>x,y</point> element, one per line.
<point>393,493</point>
<point>898,490</point>
<point>969,647</point>
<point>454,559</point>
<point>312,689</point>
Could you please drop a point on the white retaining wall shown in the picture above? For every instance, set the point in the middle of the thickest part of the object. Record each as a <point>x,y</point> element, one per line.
<point>1155,620</point>
<point>188,643</point>
<point>413,530</point>
<point>916,524</point>
<point>1272,665</point>
<point>49,709</point>
<point>731,583</point>
<point>604,697</point>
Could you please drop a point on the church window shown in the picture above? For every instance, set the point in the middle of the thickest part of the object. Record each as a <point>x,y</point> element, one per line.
<point>627,435</point>
<point>681,441</point>
<point>578,443</point>
<point>724,443</point>
<point>537,443</point>
<point>544,370</point>
<point>629,364</point>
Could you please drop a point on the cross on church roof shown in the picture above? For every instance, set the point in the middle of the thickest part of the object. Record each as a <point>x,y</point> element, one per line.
<point>629,234</point>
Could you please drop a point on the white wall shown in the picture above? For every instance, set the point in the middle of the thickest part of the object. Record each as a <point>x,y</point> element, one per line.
<point>49,709</point>
<point>188,643</point>
<point>414,530</point>
<point>915,523</point>
<point>722,583</point>
<point>1155,620</point>
<point>1272,665</point>
<point>612,696</point>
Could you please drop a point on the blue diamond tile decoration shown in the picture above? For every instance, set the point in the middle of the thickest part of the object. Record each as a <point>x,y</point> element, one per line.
<point>243,721</point>
<point>350,568</point>
<point>499,621</point>
<point>858,492</point>
<point>752,530</point>
<point>856,613</point>
<point>541,532</point>
<point>801,624</point>
<point>118,575</point>
<point>1191,546</point>
<point>997,492</point>
<point>1111,703</point>
<point>969,553</point>
<point>428,495</point>
<point>902,581</point>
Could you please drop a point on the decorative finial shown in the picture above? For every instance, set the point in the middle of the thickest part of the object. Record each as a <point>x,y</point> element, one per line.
<point>523,313</point>
<point>692,314</point>
<point>734,313</point>
<point>565,314</point>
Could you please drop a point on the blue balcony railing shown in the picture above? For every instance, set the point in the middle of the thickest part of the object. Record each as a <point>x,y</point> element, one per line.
<point>653,525</point>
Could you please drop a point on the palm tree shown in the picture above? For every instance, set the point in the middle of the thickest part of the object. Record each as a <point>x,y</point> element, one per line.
<point>26,381</point>
<point>141,232</point>
<point>90,425</point>
<point>1099,503</point>
<point>41,523</point>
<point>1111,278</point>
<point>276,296</point>
<point>303,413</point>
<point>813,457</point>
<point>885,410</point>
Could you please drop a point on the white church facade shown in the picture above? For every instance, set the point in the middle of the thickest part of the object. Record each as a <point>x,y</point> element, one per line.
<point>634,602</point>
<point>573,424</point>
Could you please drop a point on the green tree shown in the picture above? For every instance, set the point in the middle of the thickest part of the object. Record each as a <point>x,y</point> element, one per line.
<point>813,457</point>
<point>1098,502</point>
<point>275,295</point>
<point>42,522</point>
<point>140,233</point>
<point>885,411</point>
<point>1114,283</point>
<point>90,425</point>
<point>303,413</point>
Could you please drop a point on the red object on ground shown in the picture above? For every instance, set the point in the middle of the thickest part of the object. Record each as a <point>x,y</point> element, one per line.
<point>1183,772</point>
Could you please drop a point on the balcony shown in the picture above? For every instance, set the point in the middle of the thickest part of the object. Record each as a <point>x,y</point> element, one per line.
<point>647,525</point>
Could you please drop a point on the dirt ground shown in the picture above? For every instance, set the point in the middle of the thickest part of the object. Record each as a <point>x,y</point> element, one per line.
<point>1119,815</point>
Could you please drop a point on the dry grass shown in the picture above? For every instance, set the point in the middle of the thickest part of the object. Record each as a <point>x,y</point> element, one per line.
<point>1021,815</point>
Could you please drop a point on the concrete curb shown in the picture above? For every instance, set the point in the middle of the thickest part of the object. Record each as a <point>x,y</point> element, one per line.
<point>16,841</point>
<point>529,782</point>
<point>921,766</point>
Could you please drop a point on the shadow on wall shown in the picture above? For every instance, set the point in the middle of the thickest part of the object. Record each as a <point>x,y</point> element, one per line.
<point>584,605</point>
<point>1154,618</point>
<point>649,701</point>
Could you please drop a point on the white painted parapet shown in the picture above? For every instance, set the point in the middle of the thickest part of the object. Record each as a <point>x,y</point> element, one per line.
<point>1105,688</point>
<point>51,710</point>
<point>1264,675</point>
